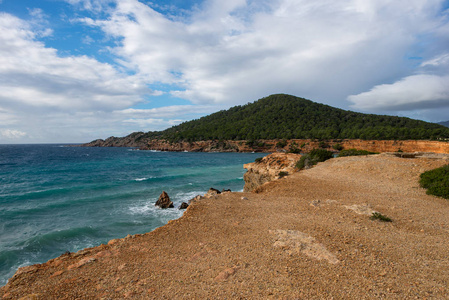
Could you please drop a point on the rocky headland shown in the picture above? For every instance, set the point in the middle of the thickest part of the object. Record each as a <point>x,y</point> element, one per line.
<point>308,235</point>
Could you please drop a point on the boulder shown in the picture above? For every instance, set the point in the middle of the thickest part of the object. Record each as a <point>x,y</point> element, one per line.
<point>183,205</point>
<point>164,201</point>
<point>225,191</point>
<point>196,198</point>
<point>212,193</point>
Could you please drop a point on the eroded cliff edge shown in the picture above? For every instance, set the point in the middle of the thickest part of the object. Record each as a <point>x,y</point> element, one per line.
<point>269,168</point>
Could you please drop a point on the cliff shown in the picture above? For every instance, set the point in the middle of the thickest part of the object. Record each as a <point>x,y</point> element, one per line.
<point>307,236</point>
<point>304,145</point>
<point>269,168</point>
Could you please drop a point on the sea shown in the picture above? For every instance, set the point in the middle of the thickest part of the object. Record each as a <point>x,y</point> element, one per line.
<point>59,198</point>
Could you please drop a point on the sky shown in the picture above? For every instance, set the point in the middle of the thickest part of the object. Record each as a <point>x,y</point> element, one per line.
<point>72,71</point>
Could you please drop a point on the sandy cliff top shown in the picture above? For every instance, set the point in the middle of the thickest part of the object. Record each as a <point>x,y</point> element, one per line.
<point>306,236</point>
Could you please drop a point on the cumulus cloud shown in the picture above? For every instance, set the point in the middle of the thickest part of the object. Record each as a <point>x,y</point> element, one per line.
<point>35,77</point>
<point>235,51</point>
<point>410,93</point>
<point>219,54</point>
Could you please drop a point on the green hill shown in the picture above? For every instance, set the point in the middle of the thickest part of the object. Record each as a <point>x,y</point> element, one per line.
<point>283,116</point>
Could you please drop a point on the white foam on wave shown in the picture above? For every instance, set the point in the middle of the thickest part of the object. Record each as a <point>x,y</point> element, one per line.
<point>141,179</point>
<point>148,207</point>
<point>186,196</point>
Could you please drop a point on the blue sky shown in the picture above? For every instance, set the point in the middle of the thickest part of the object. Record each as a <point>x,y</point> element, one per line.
<point>77,70</point>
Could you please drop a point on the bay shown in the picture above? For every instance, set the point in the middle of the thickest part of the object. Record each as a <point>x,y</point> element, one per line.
<point>56,198</point>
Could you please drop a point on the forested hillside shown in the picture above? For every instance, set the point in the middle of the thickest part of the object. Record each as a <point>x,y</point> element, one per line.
<point>288,117</point>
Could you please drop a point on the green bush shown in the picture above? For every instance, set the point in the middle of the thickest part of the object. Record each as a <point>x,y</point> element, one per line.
<point>258,160</point>
<point>354,152</point>
<point>282,174</point>
<point>337,147</point>
<point>323,145</point>
<point>315,156</point>
<point>436,181</point>
<point>380,217</point>
<point>294,148</point>
<point>281,144</point>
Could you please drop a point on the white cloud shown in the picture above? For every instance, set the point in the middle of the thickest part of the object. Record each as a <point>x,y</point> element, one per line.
<point>169,111</point>
<point>11,134</point>
<point>219,54</point>
<point>237,51</point>
<point>442,59</point>
<point>410,93</point>
<point>92,5</point>
<point>35,77</point>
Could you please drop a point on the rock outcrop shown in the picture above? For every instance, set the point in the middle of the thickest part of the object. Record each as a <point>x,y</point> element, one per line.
<point>270,167</point>
<point>164,201</point>
<point>183,205</point>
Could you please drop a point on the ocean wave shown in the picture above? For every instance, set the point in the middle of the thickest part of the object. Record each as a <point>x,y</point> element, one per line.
<point>142,179</point>
<point>186,196</point>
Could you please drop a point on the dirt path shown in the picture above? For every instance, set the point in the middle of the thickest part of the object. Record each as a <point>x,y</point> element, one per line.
<point>306,236</point>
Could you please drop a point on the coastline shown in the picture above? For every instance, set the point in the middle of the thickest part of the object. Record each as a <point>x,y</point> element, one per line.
<point>300,236</point>
<point>271,146</point>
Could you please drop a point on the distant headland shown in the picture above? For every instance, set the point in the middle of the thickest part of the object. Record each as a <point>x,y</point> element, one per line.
<point>285,123</point>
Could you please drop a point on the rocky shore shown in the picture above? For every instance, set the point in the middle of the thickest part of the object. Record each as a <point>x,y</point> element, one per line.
<point>307,235</point>
<point>270,146</point>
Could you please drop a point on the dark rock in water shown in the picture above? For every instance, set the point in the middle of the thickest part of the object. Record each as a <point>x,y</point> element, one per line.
<point>164,201</point>
<point>196,198</point>
<point>224,191</point>
<point>183,205</point>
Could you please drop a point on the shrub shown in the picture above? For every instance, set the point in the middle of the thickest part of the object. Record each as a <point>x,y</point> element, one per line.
<point>281,144</point>
<point>337,147</point>
<point>294,148</point>
<point>436,181</point>
<point>315,156</point>
<point>323,144</point>
<point>380,217</point>
<point>282,174</point>
<point>258,160</point>
<point>354,152</point>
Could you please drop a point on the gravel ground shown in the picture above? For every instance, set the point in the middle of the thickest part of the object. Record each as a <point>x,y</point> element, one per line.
<point>305,236</point>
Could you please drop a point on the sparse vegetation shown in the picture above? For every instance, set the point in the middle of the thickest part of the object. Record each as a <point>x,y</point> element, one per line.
<point>337,147</point>
<point>323,144</point>
<point>258,160</point>
<point>354,152</point>
<point>294,148</point>
<point>281,144</point>
<point>436,182</point>
<point>380,217</point>
<point>282,174</point>
<point>315,156</point>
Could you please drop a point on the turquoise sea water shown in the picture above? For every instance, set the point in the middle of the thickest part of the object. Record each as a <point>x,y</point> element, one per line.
<point>55,198</point>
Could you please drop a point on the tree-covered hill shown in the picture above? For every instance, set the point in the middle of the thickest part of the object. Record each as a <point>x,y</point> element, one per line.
<point>283,116</point>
